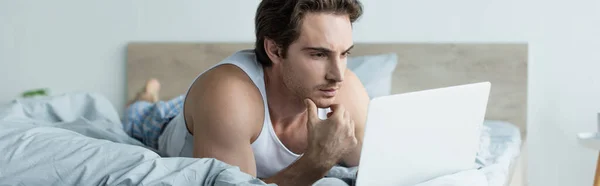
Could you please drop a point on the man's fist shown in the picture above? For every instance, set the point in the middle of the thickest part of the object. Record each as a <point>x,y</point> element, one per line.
<point>329,140</point>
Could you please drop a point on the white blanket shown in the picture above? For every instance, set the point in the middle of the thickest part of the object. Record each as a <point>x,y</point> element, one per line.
<point>77,139</point>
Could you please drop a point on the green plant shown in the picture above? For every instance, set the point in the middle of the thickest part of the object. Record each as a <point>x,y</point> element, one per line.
<point>35,92</point>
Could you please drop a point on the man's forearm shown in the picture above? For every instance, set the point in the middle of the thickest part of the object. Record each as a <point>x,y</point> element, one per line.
<point>305,171</point>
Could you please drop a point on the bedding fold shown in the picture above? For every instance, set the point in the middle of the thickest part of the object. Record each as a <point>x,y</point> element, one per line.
<point>77,139</point>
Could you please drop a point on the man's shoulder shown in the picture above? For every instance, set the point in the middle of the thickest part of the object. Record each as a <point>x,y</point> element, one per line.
<point>353,94</point>
<point>235,102</point>
<point>226,77</point>
<point>352,87</point>
<point>228,88</point>
<point>234,69</point>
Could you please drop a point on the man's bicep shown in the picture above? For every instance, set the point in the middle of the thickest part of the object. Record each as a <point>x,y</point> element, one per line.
<point>225,110</point>
<point>228,147</point>
<point>225,130</point>
<point>221,134</point>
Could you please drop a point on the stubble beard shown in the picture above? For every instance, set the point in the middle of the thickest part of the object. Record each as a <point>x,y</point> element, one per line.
<point>293,85</point>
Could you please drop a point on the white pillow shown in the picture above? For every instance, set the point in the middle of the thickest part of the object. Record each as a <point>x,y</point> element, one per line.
<point>375,72</point>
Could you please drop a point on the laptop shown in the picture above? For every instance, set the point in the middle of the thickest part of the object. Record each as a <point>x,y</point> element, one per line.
<point>414,137</point>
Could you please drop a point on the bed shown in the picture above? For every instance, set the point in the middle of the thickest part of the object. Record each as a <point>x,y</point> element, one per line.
<point>77,138</point>
<point>418,66</point>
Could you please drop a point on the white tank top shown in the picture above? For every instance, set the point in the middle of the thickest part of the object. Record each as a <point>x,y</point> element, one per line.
<point>270,154</point>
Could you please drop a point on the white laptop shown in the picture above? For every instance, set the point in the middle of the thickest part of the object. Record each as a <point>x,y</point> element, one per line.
<point>414,137</point>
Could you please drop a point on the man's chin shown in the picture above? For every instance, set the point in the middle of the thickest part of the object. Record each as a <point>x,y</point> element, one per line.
<point>323,102</point>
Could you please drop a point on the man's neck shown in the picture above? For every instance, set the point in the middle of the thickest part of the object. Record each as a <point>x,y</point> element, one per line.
<point>284,107</point>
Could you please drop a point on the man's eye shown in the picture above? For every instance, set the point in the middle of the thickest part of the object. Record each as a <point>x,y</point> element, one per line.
<point>346,54</point>
<point>319,55</point>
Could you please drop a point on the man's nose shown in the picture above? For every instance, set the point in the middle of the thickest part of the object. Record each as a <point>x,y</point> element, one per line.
<point>336,70</point>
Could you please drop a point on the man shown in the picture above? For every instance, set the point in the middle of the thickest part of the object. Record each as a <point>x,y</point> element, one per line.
<point>266,110</point>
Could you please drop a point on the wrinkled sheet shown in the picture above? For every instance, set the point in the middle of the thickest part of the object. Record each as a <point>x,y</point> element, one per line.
<point>501,148</point>
<point>77,139</point>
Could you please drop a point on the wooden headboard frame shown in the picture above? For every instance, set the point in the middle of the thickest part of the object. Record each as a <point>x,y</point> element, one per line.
<point>420,66</point>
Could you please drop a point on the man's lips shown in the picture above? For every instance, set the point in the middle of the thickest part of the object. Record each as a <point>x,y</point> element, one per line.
<point>329,92</point>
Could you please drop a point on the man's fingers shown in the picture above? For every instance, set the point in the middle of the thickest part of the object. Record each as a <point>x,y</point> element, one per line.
<point>346,115</point>
<point>338,111</point>
<point>354,139</point>
<point>311,109</point>
<point>334,107</point>
<point>351,127</point>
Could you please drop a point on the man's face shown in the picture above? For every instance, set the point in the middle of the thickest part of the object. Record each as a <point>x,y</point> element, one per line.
<point>316,62</point>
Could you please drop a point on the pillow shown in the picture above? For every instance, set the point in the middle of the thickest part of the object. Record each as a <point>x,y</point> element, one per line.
<point>375,72</point>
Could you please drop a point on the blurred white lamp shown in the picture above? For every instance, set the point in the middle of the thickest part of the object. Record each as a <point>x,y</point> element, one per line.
<point>592,140</point>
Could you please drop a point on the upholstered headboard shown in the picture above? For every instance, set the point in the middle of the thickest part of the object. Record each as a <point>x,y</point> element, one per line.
<point>420,66</point>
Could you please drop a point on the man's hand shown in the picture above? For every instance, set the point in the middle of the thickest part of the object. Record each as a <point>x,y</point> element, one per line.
<point>331,139</point>
<point>328,141</point>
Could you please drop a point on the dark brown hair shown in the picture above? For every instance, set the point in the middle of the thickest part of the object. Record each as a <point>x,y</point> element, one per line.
<point>280,20</point>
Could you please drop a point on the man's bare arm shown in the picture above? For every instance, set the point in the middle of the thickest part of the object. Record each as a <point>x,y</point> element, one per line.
<point>228,115</point>
<point>305,171</point>
<point>328,141</point>
<point>226,112</point>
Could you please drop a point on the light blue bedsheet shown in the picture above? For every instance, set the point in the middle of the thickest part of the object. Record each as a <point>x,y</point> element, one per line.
<point>77,139</point>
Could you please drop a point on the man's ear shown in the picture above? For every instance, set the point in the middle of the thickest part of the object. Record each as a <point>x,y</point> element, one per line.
<point>273,51</point>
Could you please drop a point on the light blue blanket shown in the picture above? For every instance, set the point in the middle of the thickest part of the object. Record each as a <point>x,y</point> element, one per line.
<point>77,139</point>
